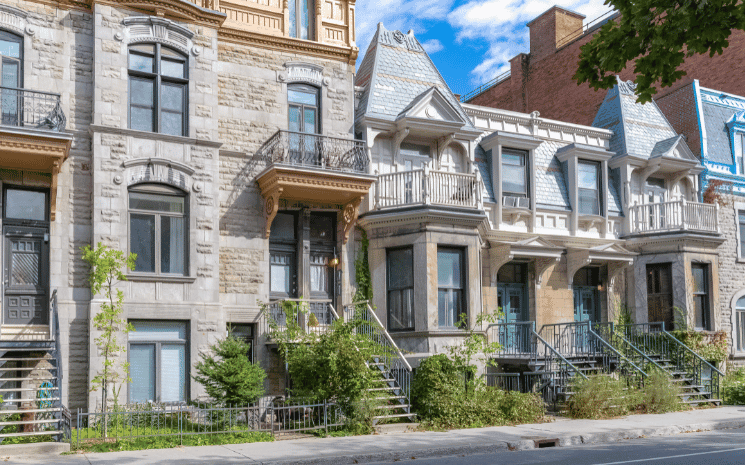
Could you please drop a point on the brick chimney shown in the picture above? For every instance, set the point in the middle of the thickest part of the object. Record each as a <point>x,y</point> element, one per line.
<point>554,28</point>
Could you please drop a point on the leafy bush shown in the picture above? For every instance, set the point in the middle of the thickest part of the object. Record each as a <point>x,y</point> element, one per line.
<point>733,387</point>
<point>599,396</point>
<point>713,348</point>
<point>228,376</point>
<point>444,398</point>
<point>659,395</point>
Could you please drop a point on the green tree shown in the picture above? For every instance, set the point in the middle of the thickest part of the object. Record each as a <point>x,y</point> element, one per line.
<point>227,375</point>
<point>106,271</point>
<point>657,35</point>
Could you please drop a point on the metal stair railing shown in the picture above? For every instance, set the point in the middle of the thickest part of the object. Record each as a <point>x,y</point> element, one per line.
<point>394,361</point>
<point>63,423</point>
<point>608,332</point>
<point>657,340</point>
<point>560,370</point>
<point>602,345</point>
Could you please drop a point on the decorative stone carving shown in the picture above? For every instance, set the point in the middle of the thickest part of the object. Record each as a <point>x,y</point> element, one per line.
<point>158,170</point>
<point>151,29</point>
<point>15,20</point>
<point>303,72</point>
<point>271,207</point>
<point>349,216</point>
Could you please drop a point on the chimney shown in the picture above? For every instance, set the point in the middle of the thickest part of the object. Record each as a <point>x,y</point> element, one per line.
<point>553,29</point>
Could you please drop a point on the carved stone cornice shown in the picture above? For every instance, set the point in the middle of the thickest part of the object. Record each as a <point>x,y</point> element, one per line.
<point>36,151</point>
<point>289,44</point>
<point>177,9</point>
<point>314,186</point>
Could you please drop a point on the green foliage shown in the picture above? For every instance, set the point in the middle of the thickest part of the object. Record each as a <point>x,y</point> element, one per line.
<point>164,442</point>
<point>733,387</point>
<point>602,396</point>
<point>475,343</point>
<point>657,36</point>
<point>659,395</point>
<point>623,316</point>
<point>228,376</point>
<point>599,397</point>
<point>362,272</point>
<point>713,348</point>
<point>106,271</point>
<point>444,399</point>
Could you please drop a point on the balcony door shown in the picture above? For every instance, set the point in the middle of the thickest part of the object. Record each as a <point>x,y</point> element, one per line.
<point>656,194</point>
<point>26,257</point>
<point>304,107</point>
<point>11,74</point>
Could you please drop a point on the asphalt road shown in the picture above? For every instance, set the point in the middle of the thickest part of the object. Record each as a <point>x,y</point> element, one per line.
<point>723,447</point>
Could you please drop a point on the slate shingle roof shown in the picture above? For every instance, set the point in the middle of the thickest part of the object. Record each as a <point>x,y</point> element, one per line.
<point>718,147</point>
<point>396,70</point>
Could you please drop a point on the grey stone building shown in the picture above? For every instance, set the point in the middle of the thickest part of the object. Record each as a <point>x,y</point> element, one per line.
<point>162,116</point>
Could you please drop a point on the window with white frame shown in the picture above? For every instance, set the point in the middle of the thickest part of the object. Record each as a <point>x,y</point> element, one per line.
<point>157,229</point>
<point>514,173</point>
<point>589,187</point>
<point>741,231</point>
<point>157,361</point>
<point>740,151</point>
<point>301,26</point>
<point>739,335</point>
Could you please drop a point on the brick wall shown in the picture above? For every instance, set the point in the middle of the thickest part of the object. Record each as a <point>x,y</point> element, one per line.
<point>679,107</point>
<point>551,90</point>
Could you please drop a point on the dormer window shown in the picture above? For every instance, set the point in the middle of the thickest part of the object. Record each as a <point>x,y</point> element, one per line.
<point>589,188</point>
<point>514,173</point>
<point>740,156</point>
<point>300,24</point>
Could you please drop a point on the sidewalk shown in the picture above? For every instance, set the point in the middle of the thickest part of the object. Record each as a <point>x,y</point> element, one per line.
<point>361,449</point>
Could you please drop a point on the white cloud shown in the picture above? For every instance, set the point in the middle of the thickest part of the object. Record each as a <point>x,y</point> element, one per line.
<point>432,46</point>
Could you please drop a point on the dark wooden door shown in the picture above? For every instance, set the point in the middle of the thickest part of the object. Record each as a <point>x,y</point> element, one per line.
<point>660,294</point>
<point>26,276</point>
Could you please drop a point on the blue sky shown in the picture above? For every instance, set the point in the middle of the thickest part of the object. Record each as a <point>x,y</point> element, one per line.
<point>470,41</point>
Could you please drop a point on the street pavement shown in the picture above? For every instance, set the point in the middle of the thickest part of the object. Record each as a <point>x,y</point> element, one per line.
<point>429,445</point>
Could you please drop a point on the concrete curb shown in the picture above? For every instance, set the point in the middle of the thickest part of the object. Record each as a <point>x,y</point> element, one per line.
<point>484,448</point>
<point>33,449</point>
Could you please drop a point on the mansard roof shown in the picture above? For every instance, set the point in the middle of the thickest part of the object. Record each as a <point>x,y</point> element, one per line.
<point>637,128</point>
<point>396,74</point>
<point>719,112</point>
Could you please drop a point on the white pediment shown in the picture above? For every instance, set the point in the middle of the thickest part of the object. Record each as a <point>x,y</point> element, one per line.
<point>432,105</point>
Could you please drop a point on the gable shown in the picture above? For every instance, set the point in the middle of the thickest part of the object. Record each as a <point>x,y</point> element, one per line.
<point>432,105</point>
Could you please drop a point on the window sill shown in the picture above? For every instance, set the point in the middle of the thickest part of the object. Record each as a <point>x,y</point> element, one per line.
<point>154,278</point>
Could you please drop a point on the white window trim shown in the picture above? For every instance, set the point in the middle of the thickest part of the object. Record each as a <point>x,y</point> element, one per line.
<point>738,207</point>
<point>733,321</point>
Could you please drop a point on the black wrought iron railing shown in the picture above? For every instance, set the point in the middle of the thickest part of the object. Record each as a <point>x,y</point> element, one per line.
<point>315,151</point>
<point>31,109</point>
<point>653,338</point>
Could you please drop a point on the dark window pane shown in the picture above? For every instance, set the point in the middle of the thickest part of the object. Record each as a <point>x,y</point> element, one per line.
<point>25,205</point>
<point>322,227</point>
<point>141,119</point>
<point>172,68</point>
<point>142,241</point>
<point>156,202</point>
<point>139,62</point>
<point>305,97</point>
<point>408,148</point>
<point>172,123</point>
<point>172,97</point>
<point>283,227</point>
<point>699,279</point>
<point>400,269</point>
<point>141,92</point>
<point>172,250</point>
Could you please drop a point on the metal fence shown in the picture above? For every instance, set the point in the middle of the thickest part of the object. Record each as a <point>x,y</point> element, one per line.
<point>31,109</point>
<point>314,150</point>
<point>278,417</point>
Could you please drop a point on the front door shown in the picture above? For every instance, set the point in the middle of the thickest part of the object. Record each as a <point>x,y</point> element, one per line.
<point>512,301</point>
<point>585,304</point>
<point>26,277</point>
<point>660,294</point>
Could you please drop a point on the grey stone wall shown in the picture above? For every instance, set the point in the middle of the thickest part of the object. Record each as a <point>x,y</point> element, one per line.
<point>731,270</point>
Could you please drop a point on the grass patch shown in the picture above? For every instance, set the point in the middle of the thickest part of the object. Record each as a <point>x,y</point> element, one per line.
<point>90,440</point>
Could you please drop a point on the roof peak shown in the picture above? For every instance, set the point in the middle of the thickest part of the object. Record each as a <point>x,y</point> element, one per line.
<point>397,38</point>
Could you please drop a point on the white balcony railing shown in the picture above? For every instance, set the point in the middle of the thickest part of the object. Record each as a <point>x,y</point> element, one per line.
<point>420,187</point>
<point>675,215</point>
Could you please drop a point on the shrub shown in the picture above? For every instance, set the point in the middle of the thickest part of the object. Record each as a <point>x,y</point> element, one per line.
<point>228,376</point>
<point>444,398</point>
<point>659,395</point>
<point>733,387</point>
<point>599,396</point>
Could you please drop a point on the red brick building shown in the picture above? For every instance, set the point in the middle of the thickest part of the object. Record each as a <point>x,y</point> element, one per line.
<point>542,79</point>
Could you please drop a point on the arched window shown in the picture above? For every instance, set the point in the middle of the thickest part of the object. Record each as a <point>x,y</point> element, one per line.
<point>304,106</point>
<point>158,222</point>
<point>158,88</point>
<point>300,14</point>
<point>739,335</point>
